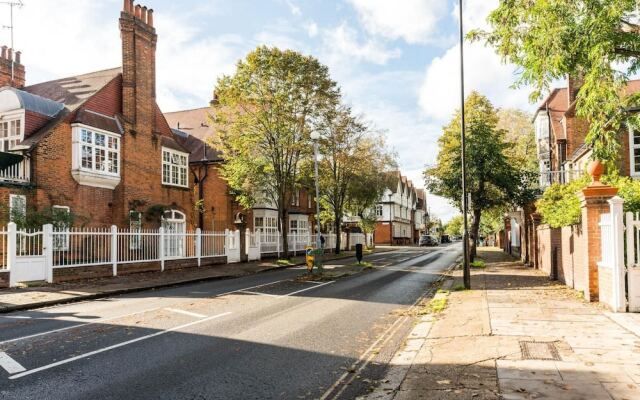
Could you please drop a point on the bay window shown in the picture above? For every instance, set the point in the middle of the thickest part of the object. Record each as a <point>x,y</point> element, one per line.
<point>634,152</point>
<point>96,157</point>
<point>174,168</point>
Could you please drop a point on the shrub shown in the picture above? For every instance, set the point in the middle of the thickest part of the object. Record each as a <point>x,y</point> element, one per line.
<point>559,205</point>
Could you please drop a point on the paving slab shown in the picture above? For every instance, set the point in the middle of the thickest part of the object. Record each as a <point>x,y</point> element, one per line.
<point>475,349</point>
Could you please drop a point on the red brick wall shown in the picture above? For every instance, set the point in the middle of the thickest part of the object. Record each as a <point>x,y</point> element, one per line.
<point>382,233</point>
<point>548,240</point>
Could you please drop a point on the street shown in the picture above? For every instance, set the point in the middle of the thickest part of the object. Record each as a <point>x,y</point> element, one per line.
<point>261,336</point>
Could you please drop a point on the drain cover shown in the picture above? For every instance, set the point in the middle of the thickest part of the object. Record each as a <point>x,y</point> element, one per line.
<point>539,351</point>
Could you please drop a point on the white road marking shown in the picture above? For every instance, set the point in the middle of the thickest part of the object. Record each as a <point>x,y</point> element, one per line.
<point>115,346</point>
<point>117,317</point>
<point>304,290</point>
<point>256,293</point>
<point>189,313</point>
<point>9,364</point>
<point>15,316</point>
<point>76,326</point>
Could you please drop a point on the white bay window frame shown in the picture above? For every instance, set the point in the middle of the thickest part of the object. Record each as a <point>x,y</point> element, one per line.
<point>11,129</point>
<point>96,156</point>
<point>175,168</point>
<point>634,153</point>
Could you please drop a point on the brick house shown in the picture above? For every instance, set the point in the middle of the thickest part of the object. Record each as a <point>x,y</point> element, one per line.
<point>220,210</point>
<point>400,220</point>
<point>571,253</point>
<point>97,144</point>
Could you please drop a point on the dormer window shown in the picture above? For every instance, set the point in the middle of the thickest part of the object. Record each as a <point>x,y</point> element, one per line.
<point>10,133</point>
<point>96,157</point>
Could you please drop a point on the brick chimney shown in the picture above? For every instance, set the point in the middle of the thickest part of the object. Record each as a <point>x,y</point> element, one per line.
<point>138,65</point>
<point>9,59</point>
<point>140,147</point>
<point>574,83</point>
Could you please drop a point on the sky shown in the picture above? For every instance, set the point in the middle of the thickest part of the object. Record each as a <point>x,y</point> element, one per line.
<point>396,61</point>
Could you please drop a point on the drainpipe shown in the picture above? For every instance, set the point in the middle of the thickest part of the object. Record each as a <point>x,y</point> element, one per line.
<point>549,137</point>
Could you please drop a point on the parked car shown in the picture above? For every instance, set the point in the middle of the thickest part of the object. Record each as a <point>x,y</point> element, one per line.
<point>428,240</point>
<point>445,239</point>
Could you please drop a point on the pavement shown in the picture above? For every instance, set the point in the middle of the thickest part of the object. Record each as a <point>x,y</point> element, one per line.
<point>515,335</point>
<point>273,335</point>
<point>16,299</point>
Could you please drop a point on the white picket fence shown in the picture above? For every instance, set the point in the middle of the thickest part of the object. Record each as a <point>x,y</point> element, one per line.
<point>33,255</point>
<point>620,258</point>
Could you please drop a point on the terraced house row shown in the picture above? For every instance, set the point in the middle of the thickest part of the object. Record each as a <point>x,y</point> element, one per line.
<point>97,146</point>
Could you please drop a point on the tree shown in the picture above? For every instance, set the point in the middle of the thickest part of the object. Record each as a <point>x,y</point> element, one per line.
<point>350,154</point>
<point>595,41</point>
<point>520,134</point>
<point>264,116</point>
<point>368,220</point>
<point>454,226</point>
<point>492,179</point>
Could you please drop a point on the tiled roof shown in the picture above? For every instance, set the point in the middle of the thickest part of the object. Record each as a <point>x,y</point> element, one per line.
<point>192,129</point>
<point>99,121</point>
<point>74,90</point>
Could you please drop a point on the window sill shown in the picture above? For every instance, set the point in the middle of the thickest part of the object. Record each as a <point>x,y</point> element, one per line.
<point>95,179</point>
<point>170,186</point>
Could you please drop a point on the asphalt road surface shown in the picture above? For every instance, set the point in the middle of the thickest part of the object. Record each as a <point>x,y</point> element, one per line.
<point>265,336</point>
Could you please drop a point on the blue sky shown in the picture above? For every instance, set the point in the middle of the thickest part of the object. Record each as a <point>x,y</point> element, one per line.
<point>396,61</point>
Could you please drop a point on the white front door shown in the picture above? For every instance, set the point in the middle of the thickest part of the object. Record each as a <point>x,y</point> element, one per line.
<point>175,226</point>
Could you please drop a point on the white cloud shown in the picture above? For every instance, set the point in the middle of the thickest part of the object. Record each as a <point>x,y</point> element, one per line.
<point>312,29</point>
<point>415,21</point>
<point>343,42</point>
<point>484,72</point>
<point>294,8</point>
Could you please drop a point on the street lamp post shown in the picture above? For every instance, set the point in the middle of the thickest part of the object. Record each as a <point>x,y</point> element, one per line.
<point>465,205</point>
<point>315,136</point>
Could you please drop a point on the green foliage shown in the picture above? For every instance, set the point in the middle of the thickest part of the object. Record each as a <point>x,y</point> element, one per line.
<point>559,205</point>
<point>368,220</point>
<point>454,226</point>
<point>34,219</point>
<point>628,189</point>
<point>492,221</point>
<point>264,116</point>
<point>154,212</point>
<point>478,264</point>
<point>595,40</point>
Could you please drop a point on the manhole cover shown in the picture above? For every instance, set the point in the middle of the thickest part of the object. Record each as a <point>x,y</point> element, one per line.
<point>539,351</point>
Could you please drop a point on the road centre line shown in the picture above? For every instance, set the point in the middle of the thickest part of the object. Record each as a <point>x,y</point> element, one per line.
<point>189,313</point>
<point>9,364</point>
<point>115,346</point>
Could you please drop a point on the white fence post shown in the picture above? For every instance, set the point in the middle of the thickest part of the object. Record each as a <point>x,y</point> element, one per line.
<point>633,272</point>
<point>247,241</point>
<point>47,249</point>
<point>114,249</point>
<point>198,245</point>
<point>12,249</point>
<point>278,243</point>
<point>161,247</point>
<point>618,269</point>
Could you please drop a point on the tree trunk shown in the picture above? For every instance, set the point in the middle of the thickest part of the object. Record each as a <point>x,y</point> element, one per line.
<point>337,222</point>
<point>475,228</point>
<point>284,217</point>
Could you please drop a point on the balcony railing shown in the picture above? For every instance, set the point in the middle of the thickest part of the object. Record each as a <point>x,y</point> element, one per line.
<point>18,173</point>
<point>547,178</point>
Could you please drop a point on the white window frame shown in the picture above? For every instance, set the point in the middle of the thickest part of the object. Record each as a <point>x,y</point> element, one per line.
<point>112,145</point>
<point>379,210</point>
<point>12,205</point>
<point>61,240</point>
<point>632,147</point>
<point>9,118</point>
<point>309,198</point>
<point>295,199</point>
<point>135,227</point>
<point>169,166</point>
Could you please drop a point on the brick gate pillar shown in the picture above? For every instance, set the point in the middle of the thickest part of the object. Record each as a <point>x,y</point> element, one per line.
<point>594,202</point>
<point>535,250</point>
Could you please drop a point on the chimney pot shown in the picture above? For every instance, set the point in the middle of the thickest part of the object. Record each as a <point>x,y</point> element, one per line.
<point>127,6</point>
<point>143,15</point>
<point>10,54</point>
<point>150,17</point>
<point>4,52</point>
<point>138,11</point>
<point>18,53</point>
